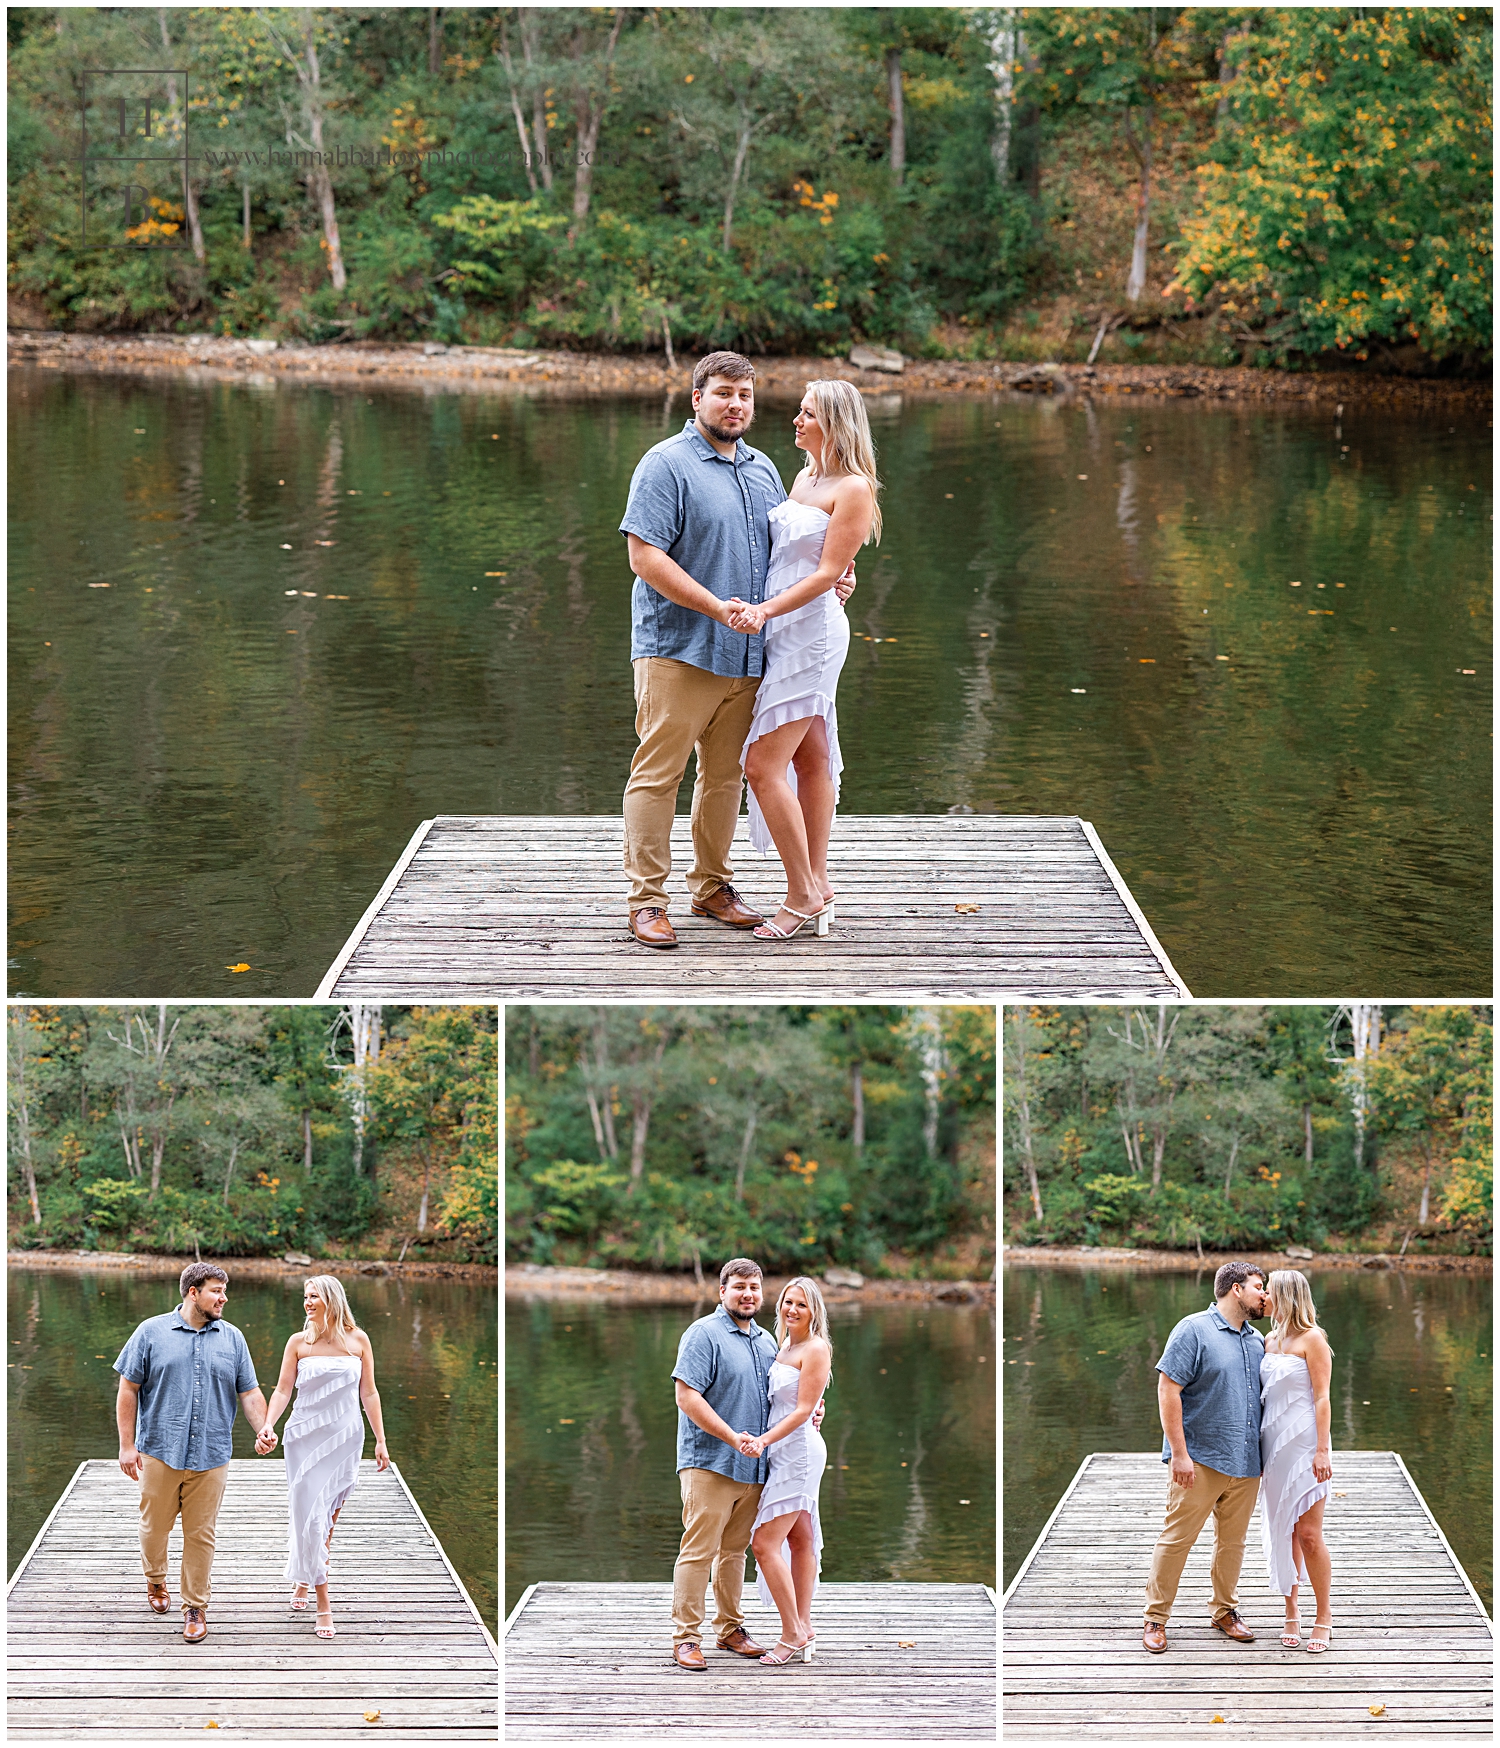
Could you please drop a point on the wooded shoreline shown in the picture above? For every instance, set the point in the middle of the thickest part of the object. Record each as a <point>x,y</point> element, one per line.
<point>1182,1262</point>
<point>203,358</point>
<point>247,1267</point>
<point>622,1286</point>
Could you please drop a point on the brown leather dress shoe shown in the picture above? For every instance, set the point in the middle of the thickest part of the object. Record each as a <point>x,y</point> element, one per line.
<point>688,1656</point>
<point>1154,1637</point>
<point>156,1595</point>
<point>1233,1627</point>
<point>651,927</point>
<point>724,905</point>
<point>740,1642</point>
<point>195,1625</point>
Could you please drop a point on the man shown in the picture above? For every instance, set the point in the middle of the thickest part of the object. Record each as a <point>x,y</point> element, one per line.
<point>722,1364</point>
<point>1208,1395</point>
<point>696,528</point>
<point>182,1376</point>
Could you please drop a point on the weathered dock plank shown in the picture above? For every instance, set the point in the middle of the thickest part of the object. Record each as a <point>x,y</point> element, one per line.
<point>517,908</point>
<point>589,1660</point>
<point>1409,1630</point>
<point>88,1660</point>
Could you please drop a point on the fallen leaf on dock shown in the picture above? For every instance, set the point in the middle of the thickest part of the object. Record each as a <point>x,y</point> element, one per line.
<point>967,909</point>
<point>210,1725</point>
<point>1343,1495</point>
<point>906,1644</point>
<point>372,1717</point>
<point>1377,1711</point>
<point>1217,1718</point>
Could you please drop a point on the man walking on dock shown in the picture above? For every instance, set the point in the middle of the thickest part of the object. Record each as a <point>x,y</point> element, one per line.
<point>1208,1395</point>
<point>697,529</point>
<point>182,1378</point>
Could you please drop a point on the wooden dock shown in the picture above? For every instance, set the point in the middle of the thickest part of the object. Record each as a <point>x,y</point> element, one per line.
<point>930,907</point>
<point>89,1661</point>
<point>1410,1633</point>
<point>591,1660</point>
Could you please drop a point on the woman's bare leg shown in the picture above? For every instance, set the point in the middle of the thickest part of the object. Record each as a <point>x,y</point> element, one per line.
<point>804,1568</point>
<point>1319,1560</point>
<point>766,1544</point>
<point>817,798</point>
<point>765,767</point>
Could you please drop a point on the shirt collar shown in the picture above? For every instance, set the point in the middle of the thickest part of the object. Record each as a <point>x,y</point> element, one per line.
<point>707,452</point>
<point>181,1322</point>
<point>754,1329</point>
<point>1224,1323</point>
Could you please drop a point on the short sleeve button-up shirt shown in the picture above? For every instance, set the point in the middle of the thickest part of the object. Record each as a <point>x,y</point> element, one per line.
<point>729,1368</point>
<point>190,1383</point>
<point>1218,1367</point>
<point>708,512</point>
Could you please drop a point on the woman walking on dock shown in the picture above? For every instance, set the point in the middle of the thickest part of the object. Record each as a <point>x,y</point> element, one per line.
<point>786,1536</point>
<point>331,1365</point>
<point>1296,1454</point>
<point>791,755</point>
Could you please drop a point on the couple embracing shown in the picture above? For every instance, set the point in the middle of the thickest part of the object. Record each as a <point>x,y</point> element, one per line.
<point>183,1377</point>
<point>750,1461</point>
<point>737,638</point>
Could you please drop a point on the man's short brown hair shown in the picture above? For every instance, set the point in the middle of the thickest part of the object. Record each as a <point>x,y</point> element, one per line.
<point>733,365</point>
<point>741,1266</point>
<point>196,1273</point>
<point>1235,1274</point>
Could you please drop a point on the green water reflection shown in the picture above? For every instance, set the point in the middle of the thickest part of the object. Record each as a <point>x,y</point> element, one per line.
<point>216,760</point>
<point>591,1489</point>
<point>436,1363</point>
<point>1418,1344</point>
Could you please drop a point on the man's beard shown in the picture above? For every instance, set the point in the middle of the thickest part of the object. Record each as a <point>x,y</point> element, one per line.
<point>211,1316</point>
<point>723,434</point>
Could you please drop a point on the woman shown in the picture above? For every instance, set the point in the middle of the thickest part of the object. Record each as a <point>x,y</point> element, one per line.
<point>1296,1454</point>
<point>791,754</point>
<point>331,1364</point>
<point>786,1536</point>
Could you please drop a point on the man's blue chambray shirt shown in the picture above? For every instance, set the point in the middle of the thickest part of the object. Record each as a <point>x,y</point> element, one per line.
<point>708,513</point>
<point>728,1366</point>
<point>1218,1367</point>
<point>190,1382</point>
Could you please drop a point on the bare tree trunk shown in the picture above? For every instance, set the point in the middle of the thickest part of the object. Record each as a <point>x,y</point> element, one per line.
<point>857,1098</point>
<point>745,1145</point>
<point>1003,44</point>
<point>234,1153</point>
<point>1023,1112</point>
<point>434,40</point>
<point>1234,1149</point>
<point>364,1031</point>
<point>531,48</point>
<point>741,152</point>
<point>319,184</point>
<point>422,1206</point>
<point>20,1109</point>
<point>928,1024</point>
<point>591,107</point>
<point>898,115</point>
<point>601,1063</point>
<point>307,1142</point>
<point>1136,284</point>
<point>246,220</point>
<point>1307,1134</point>
<point>503,51</point>
<point>588,1093</point>
<point>641,1104</point>
<point>1423,1211</point>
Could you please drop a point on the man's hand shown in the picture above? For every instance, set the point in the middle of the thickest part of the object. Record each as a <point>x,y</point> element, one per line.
<point>745,616</point>
<point>130,1461</point>
<point>817,1417</point>
<point>1182,1469</point>
<point>751,1446</point>
<point>844,587</point>
<point>265,1442</point>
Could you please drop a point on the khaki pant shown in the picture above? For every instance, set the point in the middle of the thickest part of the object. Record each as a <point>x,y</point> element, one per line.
<point>679,707</point>
<point>1230,1499</point>
<point>716,1517</point>
<point>195,1494</point>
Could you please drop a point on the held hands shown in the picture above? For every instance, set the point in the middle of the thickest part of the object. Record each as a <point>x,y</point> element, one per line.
<point>1322,1464</point>
<point>746,616</point>
<point>751,1446</point>
<point>265,1440</point>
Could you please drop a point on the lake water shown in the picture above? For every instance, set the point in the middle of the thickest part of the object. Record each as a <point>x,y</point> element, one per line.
<point>1419,1343</point>
<point>257,634</point>
<point>436,1366</point>
<point>591,1490</point>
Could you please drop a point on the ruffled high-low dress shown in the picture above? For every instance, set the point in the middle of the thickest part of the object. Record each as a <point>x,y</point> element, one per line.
<point>1288,1439</point>
<point>797,1462</point>
<point>804,650</point>
<point>322,1444</point>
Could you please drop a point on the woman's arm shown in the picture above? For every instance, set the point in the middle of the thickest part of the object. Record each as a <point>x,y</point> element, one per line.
<point>281,1395</point>
<point>1319,1359</point>
<point>847,532</point>
<point>370,1396</point>
<point>813,1382</point>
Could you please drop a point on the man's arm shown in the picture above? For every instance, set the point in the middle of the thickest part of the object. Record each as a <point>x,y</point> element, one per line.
<point>253,1406</point>
<point>1169,1406</point>
<point>668,578</point>
<point>695,1406</point>
<point>126,1400</point>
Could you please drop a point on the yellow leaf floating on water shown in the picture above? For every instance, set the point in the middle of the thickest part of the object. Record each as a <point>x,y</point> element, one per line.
<point>372,1717</point>
<point>240,967</point>
<point>562,1422</point>
<point>1377,1711</point>
<point>967,909</point>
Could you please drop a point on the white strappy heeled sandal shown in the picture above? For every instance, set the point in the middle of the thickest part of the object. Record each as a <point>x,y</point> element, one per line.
<point>820,920</point>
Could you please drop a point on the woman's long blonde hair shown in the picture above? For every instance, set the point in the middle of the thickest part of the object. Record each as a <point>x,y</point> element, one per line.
<point>340,1318</point>
<point>848,446</point>
<point>1292,1308</point>
<point>817,1323</point>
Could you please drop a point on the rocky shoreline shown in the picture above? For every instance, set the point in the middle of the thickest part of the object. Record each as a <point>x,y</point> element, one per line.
<point>486,369</point>
<point>248,1267</point>
<point>621,1286</point>
<point>1101,1256</point>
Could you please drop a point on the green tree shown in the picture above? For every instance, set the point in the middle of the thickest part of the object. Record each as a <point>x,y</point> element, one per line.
<point>1434,1069</point>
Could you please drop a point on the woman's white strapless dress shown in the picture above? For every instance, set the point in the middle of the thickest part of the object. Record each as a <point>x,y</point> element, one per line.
<point>804,649</point>
<point>1288,1439</point>
<point>797,1464</point>
<point>322,1445</point>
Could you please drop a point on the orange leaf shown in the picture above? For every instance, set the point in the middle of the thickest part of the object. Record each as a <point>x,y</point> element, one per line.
<point>239,967</point>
